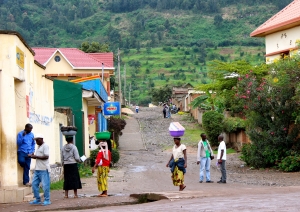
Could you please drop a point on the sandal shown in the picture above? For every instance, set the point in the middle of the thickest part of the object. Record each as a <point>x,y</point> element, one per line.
<point>182,188</point>
<point>102,195</point>
<point>75,196</point>
<point>66,197</point>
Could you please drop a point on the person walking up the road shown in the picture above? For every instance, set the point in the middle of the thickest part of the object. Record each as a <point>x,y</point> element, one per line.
<point>137,109</point>
<point>221,157</point>
<point>26,147</point>
<point>204,154</point>
<point>178,164</point>
<point>102,163</point>
<point>164,110</point>
<point>69,159</point>
<point>41,172</point>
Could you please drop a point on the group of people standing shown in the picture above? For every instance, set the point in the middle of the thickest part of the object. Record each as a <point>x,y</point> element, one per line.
<point>178,161</point>
<point>69,158</point>
<point>166,110</point>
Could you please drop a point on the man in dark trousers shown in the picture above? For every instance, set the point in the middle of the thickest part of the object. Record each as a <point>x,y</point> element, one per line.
<point>222,158</point>
<point>26,146</point>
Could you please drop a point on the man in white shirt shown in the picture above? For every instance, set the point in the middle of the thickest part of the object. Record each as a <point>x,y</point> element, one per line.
<point>222,158</point>
<point>41,172</point>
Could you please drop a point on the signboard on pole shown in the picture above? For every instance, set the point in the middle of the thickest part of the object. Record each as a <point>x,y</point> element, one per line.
<point>111,108</point>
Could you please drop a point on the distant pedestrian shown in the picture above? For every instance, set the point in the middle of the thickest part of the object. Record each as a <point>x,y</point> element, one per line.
<point>178,164</point>
<point>69,159</point>
<point>169,111</point>
<point>164,110</point>
<point>102,164</point>
<point>221,157</point>
<point>204,155</point>
<point>41,172</point>
<point>26,147</point>
<point>137,109</point>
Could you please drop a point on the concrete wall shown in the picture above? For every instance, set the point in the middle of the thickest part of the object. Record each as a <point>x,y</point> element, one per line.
<point>86,128</point>
<point>26,96</point>
<point>281,41</point>
<point>59,120</point>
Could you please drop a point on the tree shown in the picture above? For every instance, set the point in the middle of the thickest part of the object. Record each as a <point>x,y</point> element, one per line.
<point>94,47</point>
<point>218,19</point>
<point>212,123</point>
<point>167,24</point>
<point>161,94</point>
<point>271,105</point>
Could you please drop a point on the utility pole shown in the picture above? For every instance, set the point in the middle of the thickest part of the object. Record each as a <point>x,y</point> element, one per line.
<point>129,94</point>
<point>125,84</point>
<point>119,75</point>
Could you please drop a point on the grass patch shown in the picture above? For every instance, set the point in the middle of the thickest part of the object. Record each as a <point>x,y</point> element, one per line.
<point>192,136</point>
<point>59,185</point>
<point>85,171</point>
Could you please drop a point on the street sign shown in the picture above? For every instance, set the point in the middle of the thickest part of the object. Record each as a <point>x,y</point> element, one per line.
<point>111,108</point>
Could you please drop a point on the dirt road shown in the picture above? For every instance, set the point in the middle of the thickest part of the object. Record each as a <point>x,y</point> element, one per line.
<point>145,150</point>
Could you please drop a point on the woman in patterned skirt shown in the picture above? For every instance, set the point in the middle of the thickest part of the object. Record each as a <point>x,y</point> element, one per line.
<point>102,164</point>
<point>178,164</point>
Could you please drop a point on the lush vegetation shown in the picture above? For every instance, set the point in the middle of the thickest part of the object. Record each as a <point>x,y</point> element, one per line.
<point>162,42</point>
<point>116,125</point>
<point>271,106</point>
<point>267,97</point>
<point>212,124</point>
<point>137,23</point>
<point>152,72</point>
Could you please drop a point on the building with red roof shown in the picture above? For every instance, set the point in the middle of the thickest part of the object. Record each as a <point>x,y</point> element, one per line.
<point>282,32</point>
<point>72,63</point>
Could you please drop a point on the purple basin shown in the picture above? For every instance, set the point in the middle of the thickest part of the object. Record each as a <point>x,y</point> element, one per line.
<point>176,133</point>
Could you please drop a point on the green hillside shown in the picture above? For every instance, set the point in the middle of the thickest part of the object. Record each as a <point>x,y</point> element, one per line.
<point>157,67</point>
<point>162,41</point>
<point>133,23</point>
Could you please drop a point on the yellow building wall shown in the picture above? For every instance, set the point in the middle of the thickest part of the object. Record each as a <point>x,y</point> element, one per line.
<point>92,127</point>
<point>59,140</point>
<point>15,85</point>
<point>86,128</point>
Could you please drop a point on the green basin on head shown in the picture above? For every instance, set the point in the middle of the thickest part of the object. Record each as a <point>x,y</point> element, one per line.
<point>102,135</point>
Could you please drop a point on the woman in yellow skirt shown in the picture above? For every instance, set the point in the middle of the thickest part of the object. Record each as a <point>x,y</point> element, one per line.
<point>102,164</point>
<point>178,164</point>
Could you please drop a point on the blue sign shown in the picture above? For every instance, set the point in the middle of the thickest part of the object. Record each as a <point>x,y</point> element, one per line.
<point>111,108</point>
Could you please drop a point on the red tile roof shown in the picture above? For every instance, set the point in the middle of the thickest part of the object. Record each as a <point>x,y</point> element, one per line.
<point>76,57</point>
<point>287,18</point>
<point>106,58</point>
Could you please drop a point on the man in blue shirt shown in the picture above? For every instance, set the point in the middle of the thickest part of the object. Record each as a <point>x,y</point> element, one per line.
<point>26,147</point>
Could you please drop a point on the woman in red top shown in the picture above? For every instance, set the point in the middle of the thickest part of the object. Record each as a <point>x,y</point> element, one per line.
<point>102,163</point>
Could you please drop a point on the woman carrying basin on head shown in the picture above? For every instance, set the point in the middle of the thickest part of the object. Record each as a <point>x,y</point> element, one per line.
<point>178,164</point>
<point>102,165</point>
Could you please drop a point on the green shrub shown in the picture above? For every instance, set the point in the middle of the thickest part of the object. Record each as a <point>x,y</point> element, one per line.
<point>84,171</point>
<point>290,164</point>
<point>115,156</point>
<point>233,124</point>
<point>213,125</point>
<point>93,156</point>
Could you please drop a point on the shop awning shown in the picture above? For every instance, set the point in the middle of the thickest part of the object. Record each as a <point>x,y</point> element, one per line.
<point>92,97</point>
